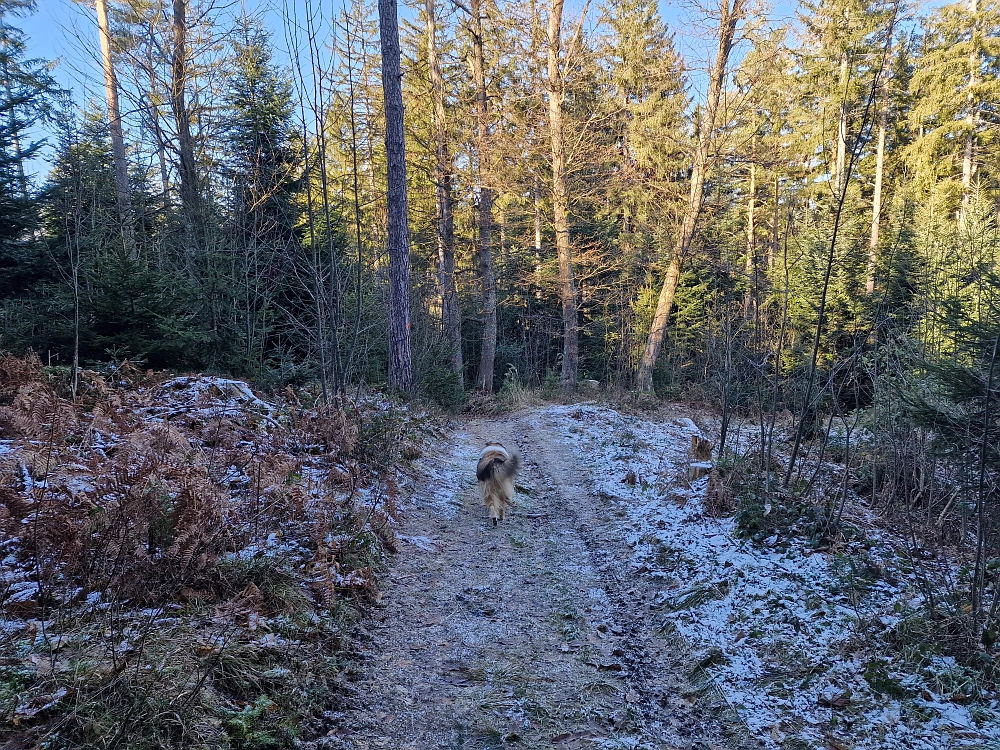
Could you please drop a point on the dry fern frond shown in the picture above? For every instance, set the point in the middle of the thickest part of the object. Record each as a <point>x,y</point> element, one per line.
<point>48,416</point>
<point>334,427</point>
<point>16,372</point>
<point>16,506</point>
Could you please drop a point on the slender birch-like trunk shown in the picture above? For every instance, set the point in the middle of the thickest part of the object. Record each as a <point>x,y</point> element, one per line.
<point>751,264</point>
<point>841,157</point>
<point>877,194</point>
<point>969,147</point>
<point>729,16</point>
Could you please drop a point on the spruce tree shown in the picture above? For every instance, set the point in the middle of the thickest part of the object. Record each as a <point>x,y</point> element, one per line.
<point>26,95</point>
<point>262,171</point>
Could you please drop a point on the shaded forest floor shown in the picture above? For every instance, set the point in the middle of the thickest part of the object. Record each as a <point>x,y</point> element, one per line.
<point>613,611</point>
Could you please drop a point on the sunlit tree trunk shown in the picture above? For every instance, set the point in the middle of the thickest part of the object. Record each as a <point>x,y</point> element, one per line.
<point>877,195</point>
<point>729,16</point>
<point>451,312</point>
<point>751,260</point>
<point>560,201</point>
<point>487,357</point>
<point>114,115</point>
<point>969,146</point>
<point>841,153</point>
<point>751,266</point>
<point>400,362</point>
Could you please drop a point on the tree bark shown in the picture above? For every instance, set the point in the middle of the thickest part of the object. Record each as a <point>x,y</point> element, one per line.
<point>560,201</point>
<point>877,194</point>
<point>728,18</point>
<point>841,157</point>
<point>400,362</point>
<point>487,357</point>
<point>751,259</point>
<point>186,169</point>
<point>969,148</point>
<point>451,313</point>
<point>114,115</point>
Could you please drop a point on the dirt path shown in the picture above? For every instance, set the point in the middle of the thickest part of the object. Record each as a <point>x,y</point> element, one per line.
<point>534,634</point>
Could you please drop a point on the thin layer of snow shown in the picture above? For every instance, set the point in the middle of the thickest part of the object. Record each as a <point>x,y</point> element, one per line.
<point>777,629</point>
<point>446,477</point>
<point>424,543</point>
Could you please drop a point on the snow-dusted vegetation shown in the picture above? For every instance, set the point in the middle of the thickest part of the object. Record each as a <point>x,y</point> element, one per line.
<point>181,556</point>
<point>815,642</point>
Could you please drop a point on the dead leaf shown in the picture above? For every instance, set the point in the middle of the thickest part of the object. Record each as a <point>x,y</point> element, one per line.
<point>38,705</point>
<point>630,479</point>
<point>834,699</point>
<point>833,742</point>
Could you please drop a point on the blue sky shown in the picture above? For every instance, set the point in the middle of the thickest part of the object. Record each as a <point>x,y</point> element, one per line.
<point>65,32</point>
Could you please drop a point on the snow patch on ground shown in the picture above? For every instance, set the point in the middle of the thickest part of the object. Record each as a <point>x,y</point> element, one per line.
<point>445,478</point>
<point>782,637</point>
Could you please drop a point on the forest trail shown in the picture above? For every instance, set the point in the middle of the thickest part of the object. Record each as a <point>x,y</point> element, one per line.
<point>538,633</point>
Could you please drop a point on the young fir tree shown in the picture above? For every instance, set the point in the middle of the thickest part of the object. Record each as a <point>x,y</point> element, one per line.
<point>262,169</point>
<point>26,93</point>
<point>648,134</point>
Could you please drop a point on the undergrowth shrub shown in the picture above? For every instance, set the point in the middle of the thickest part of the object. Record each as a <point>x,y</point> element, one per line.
<point>182,558</point>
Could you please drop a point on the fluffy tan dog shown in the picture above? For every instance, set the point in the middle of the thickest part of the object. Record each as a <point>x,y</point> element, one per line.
<point>495,471</point>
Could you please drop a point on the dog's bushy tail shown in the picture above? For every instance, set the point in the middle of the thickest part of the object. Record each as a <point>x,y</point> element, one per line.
<point>499,468</point>
<point>511,466</point>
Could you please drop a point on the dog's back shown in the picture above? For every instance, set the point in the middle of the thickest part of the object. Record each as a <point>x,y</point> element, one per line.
<point>495,471</point>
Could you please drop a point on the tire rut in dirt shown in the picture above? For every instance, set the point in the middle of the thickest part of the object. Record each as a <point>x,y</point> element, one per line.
<point>492,637</point>
<point>673,699</point>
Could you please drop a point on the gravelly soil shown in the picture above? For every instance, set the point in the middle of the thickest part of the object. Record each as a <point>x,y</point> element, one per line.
<point>534,634</point>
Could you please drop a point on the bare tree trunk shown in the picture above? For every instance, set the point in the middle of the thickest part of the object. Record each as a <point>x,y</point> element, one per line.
<point>14,129</point>
<point>728,18</point>
<point>877,195</point>
<point>451,312</point>
<point>969,149</point>
<point>114,116</point>
<point>982,525</point>
<point>487,356</point>
<point>751,264</point>
<point>841,156</point>
<point>400,362</point>
<point>772,248</point>
<point>186,170</point>
<point>536,200</point>
<point>751,214</point>
<point>560,200</point>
